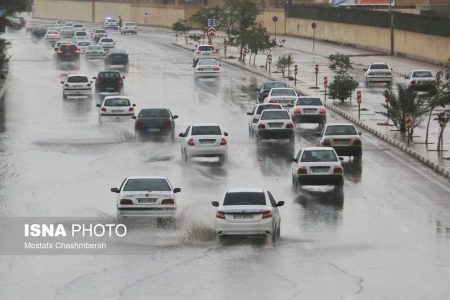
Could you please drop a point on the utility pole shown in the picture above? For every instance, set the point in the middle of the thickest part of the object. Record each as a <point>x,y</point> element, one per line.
<point>93,11</point>
<point>391,27</point>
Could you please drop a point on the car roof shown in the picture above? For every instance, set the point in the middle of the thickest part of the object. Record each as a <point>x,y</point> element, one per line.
<point>205,124</point>
<point>246,190</point>
<point>154,108</point>
<point>282,88</point>
<point>317,148</point>
<point>269,110</point>
<point>202,45</point>
<point>147,177</point>
<point>309,97</point>
<point>265,104</point>
<point>71,75</point>
<point>335,124</point>
<point>118,51</point>
<point>422,71</point>
<point>379,63</point>
<point>116,96</point>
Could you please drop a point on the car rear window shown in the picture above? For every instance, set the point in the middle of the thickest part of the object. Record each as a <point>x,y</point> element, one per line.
<point>205,48</point>
<point>309,101</point>
<point>77,79</point>
<point>341,130</point>
<point>147,184</point>
<point>267,106</point>
<point>117,102</point>
<point>107,40</point>
<point>108,75</point>
<point>244,198</point>
<point>154,113</point>
<point>278,115</point>
<point>283,92</point>
<point>68,48</point>
<point>100,31</point>
<point>81,33</point>
<point>318,155</point>
<point>422,74</point>
<point>206,130</point>
<point>275,84</point>
<point>379,67</point>
<point>95,47</point>
<point>84,44</point>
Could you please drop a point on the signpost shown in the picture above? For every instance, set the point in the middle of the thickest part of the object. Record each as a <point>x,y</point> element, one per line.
<point>317,73</point>
<point>314,25</point>
<point>275,20</point>
<point>211,22</point>
<point>269,58</point>
<point>146,17</point>
<point>359,100</point>
<point>211,34</point>
<point>295,74</point>
<point>325,84</point>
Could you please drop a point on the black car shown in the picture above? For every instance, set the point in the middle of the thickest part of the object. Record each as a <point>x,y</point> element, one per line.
<point>155,122</point>
<point>265,88</point>
<point>38,32</point>
<point>109,82</point>
<point>68,53</point>
<point>116,58</point>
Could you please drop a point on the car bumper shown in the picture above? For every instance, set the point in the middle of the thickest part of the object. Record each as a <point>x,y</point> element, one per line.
<point>94,56</point>
<point>154,131</point>
<point>126,30</point>
<point>275,133</point>
<point>206,151</point>
<point>348,150</point>
<point>115,117</point>
<point>379,78</point>
<point>147,212</point>
<point>207,73</point>
<point>264,227</point>
<point>325,179</point>
<point>87,92</point>
<point>309,119</point>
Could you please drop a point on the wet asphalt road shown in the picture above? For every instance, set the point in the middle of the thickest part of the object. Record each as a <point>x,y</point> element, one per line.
<point>389,240</point>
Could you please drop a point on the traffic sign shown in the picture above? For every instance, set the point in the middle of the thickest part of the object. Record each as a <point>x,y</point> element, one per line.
<point>358,97</point>
<point>275,19</point>
<point>270,58</point>
<point>325,82</point>
<point>317,69</point>
<point>211,22</point>
<point>408,120</point>
<point>313,25</point>
<point>211,31</point>
<point>296,69</point>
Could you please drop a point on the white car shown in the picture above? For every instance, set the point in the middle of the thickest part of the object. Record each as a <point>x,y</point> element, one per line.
<point>344,138</point>
<point>80,36</point>
<point>77,85</point>
<point>146,196</point>
<point>420,79</point>
<point>265,88</point>
<point>115,108</point>
<point>284,96</point>
<point>379,72</point>
<point>204,51</point>
<point>94,52</point>
<point>98,33</point>
<point>317,166</point>
<point>107,43</point>
<point>111,24</point>
<point>129,27</point>
<point>204,140</point>
<point>255,113</point>
<point>309,110</point>
<point>52,35</point>
<point>248,211</point>
<point>207,67</point>
<point>83,45</point>
<point>275,124</point>
<point>78,27</point>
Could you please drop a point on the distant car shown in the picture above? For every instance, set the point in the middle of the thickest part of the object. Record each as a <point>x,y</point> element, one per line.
<point>94,52</point>
<point>77,85</point>
<point>116,58</point>
<point>264,89</point>
<point>52,36</point>
<point>80,36</point>
<point>155,122</point>
<point>38,32</point>
<point>111,24</point>
<point>59,43</point>
<point>204,140</point>
<point>15,23</point>
<point>317,166</point>
<point>129,27</point>
<point>284,96</point>
<point>420,79</point>
<point>248,211</point>
<point>115,108</point>
<point>68,53</point>
<point>67,32</point>
<point>60,23</point>
<point>309,110</point>
<point>107,43</point>
<point>147,196</point>
<point>378,72</point>
<point>344,138</point>
<point>83,45</point>
<point>98,33</point>
<point>204,51</point>
<point>207,67</point>
<point>78,27</point>
<point>275,124</point>
<point>109,82</point>
<point>31,24</point>
<point>255,114</point>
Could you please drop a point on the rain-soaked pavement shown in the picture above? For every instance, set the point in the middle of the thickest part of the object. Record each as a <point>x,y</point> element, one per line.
<point>389,239</point>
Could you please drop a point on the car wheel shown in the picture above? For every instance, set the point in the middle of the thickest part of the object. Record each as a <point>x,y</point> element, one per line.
<point>294,184</point>
<point>366,83</point>
<point>222,159</point>
<point>258,140</point>
<point>250,132</point>
<point>358,156</point>
<point>279,231</point>
<point>64,96</point>
<point>172,136</point>
<point>184,155</point>
<point>292,141</point>
<point>222,238</point>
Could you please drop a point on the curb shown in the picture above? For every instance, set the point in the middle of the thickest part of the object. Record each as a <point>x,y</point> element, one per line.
<point>426,161</point>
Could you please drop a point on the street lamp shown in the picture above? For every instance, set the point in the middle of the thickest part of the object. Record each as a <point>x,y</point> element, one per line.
<point>391,26</point>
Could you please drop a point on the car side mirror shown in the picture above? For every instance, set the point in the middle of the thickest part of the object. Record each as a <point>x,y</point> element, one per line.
<point>94,77</point>
<point>215,203</point>
<point>91,81</point>
<point>319,134</point>
<point>115,190</point>
<point>290,105</point>
<point>365,69</point>
<point>341,158</point>
<point>181,135</point>
<point>134,105</point>
<point>134,117</point>
<point>176,190</point>
<point>225,133</point>
<point>392,69</point>
<point>97,105</point>
<point>360,133</point>
<point>175,117</point>
<point>280,203</point>
<point>255,120</point>
<point>292,159</point>
<point>123,77</point>
<point>62,82</point>
<point>256,90</point>
<point>249,114</point>
<point>192,50</point>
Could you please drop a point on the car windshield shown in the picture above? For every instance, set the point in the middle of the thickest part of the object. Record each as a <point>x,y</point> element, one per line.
<point>422,74</point>
<point>100,31</point>
<point>95,47</point>
<point>267,106</point>
<point>52,31</point>
<point>80,33</point>
<point>275,115</point>
<point>154,113</point>
<point>318,155</point>
<point>84,44</point>
<point>147,184</point>
<point>206,130</point>
<point>106,40</point>
<point>205,48</point>
<point>244,198</point>
<point>108,75</point>
<point>341,130</point>
<point>117,102</point>
<point>274,84</point>
<point>309,101</point>
<point>379,67</point>
<point>77,79</point>
<point>207,62</point>
<point>283,92</point>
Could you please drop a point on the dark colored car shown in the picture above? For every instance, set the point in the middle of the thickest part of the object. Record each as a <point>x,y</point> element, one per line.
<point>116,58</point>
<point>38,32</point>
<point>265,88</point>
<point>155,122</point>
<point>68,53</point>
<point>109,82</point>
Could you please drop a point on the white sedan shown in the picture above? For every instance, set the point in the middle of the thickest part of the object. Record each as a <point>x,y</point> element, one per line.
<point>204,140</point>
<point>344,138</point>
<point>129,27</point>
<point>309,110</point>
<point>94,52</point>
<point>275,124</point>
<point>248,212</point>
<point>420,79</point>
<point>115,108</point>
<point>207,67</point>
<point>146,196</point>
<point>83,45</point>
<point>317,166</point>
<point>255,114</point>
<point>284,96</point>
<point>107,43</point>
<point>378,72</point>
<point>77,85</point>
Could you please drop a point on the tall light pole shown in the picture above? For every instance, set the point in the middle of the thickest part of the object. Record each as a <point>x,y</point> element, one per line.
<point>93,11</point>
<point>391,27</point>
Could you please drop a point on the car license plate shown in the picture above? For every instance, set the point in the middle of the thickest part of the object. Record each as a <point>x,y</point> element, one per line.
<point>110,89</point>
<point>320,170</point>
<point>154,129</point>
<point>147,200</point>
<point>309,111</point>
<point>341,142</point>
<point>242,216</point>
<point>275,125</point>
<point>116,111</point>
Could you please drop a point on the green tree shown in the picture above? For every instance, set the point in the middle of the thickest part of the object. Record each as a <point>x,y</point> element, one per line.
<point>257,39</point>
<point>343,84</point>
<point>182,27</point>
<point>211,12</point>
<point>282,64</point>
<point>340,63</point>
<point>4,59</point>
<point>442,118</point>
